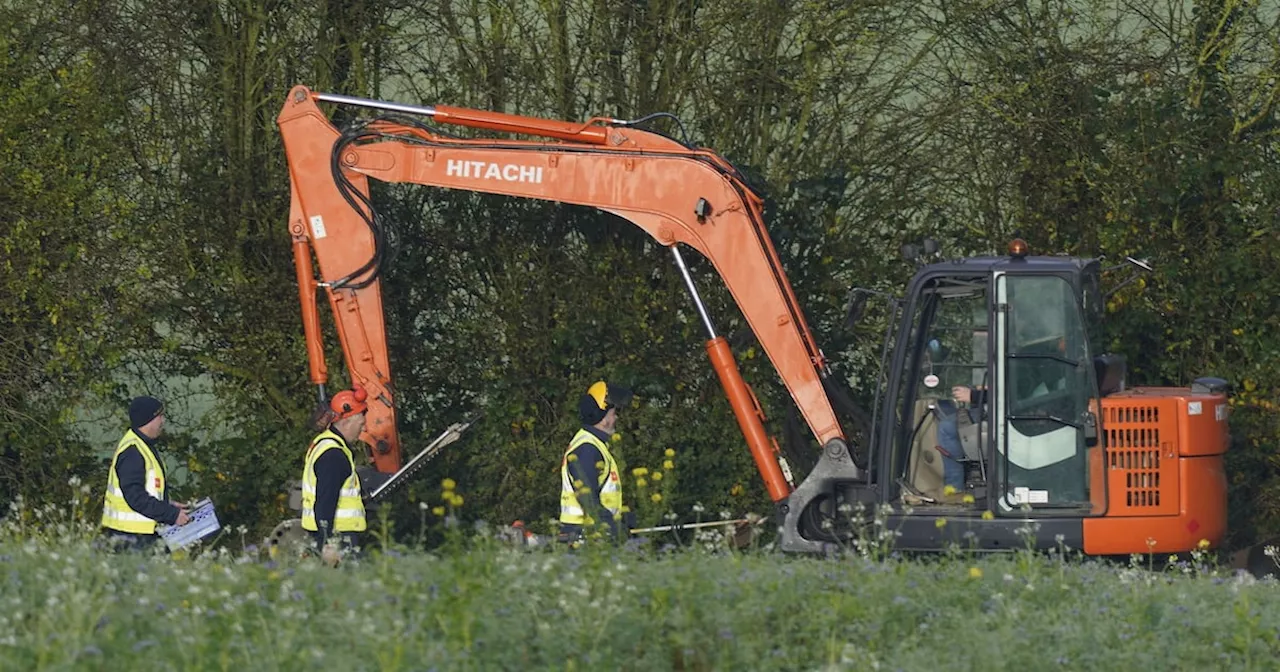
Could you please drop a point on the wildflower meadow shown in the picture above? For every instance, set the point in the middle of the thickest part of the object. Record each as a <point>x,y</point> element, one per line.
<point>475,603</point>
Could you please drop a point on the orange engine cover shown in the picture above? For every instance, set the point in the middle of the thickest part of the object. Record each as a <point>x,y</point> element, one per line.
<point>1163,472</point>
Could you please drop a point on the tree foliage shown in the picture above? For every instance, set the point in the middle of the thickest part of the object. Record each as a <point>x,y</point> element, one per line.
<point>76,278</point>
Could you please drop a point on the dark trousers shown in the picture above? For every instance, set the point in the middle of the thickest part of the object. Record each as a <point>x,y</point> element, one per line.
<point>345,540</point>
<point>572,534</point>
<point>126,542</point>
<point>569,533</point>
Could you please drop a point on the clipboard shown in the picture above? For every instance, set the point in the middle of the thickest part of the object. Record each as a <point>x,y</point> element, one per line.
<point>204,522</point>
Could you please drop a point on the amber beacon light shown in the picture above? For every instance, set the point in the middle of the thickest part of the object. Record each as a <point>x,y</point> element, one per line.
<point>1017,248</point>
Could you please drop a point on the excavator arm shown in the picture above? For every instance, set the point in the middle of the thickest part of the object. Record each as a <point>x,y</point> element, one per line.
<point>677,194</point>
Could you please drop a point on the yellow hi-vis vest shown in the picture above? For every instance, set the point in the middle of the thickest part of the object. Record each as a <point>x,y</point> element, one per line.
<point>610,484</point>
<point>349,516</point>
<point>116,514</point>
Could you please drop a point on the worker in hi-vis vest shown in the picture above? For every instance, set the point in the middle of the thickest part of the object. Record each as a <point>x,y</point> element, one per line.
<point>137,497</point>
<point>332,507</point>
<point>590,482</point>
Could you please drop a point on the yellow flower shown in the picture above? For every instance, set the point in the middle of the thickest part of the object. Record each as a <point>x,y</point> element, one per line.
<point>975,573</point>
<point>656,497</point>
<point>448,484</point>
<point>668,464</point>
<point>669,452</point>
<point>573,457</point>
<point>640,483</point>
<point>439,510</point>
<point>940,523</point>
<point>1204,543</point>
<point>639,471</point>
<point>968,499</point>
<point>987,515</point>
<point>657,476</point>
<point>949,490</point>
<point>736,490</point>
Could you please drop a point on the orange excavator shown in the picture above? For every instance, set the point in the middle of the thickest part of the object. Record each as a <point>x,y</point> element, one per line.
<point>998,426</point>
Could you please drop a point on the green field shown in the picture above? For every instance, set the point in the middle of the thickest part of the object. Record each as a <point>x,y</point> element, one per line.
<point>475,604</point>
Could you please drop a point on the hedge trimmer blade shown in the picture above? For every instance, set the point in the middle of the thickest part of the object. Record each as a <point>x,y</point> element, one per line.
<point>415,465</point>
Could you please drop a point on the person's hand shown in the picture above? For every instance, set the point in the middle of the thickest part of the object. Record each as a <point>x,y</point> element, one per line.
<point>961,393</point>
<point>330,555</point>
<point>183,518</point>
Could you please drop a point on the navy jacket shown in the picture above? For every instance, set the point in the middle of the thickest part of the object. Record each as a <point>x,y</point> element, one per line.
<point>131,471</point>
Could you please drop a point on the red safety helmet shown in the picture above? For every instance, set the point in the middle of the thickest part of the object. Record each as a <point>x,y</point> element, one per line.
<point>348,403</point>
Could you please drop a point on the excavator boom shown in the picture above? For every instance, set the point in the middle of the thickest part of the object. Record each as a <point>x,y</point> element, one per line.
<point>677,194</point>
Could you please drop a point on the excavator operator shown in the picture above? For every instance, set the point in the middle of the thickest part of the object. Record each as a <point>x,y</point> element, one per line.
<point>949,436</point>
<point>332,508</point>
<point>590,485</point>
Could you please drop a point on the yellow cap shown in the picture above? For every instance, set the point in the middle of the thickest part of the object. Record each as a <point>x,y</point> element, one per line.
<point>608,396</point>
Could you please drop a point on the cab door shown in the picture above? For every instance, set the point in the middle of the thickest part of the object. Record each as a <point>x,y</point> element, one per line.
<point>1044,397</point>
<point>945,339</point>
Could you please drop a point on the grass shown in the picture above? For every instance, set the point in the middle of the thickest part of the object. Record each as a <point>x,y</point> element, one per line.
<point>478,605</point>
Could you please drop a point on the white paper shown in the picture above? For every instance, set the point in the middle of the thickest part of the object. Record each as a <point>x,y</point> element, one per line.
<point>1022,495</point>
<point>204,522</point>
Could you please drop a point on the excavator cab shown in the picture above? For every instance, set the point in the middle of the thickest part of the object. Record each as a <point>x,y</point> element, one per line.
<point>990,416</point>
<point>1042,446</point>
<point>1012,334</point>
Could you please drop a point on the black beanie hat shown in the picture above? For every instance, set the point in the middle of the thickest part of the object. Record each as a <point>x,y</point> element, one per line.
<point>589,411</point>
<point>600,397</point>
<point>143,410</point>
